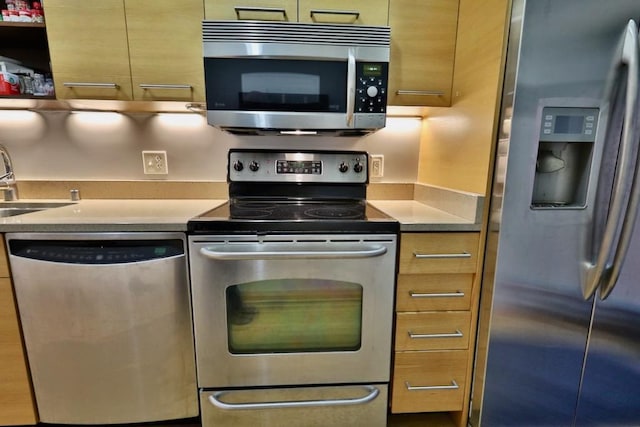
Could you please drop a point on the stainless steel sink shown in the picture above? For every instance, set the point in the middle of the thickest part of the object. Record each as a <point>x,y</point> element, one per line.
<point>18,208</point>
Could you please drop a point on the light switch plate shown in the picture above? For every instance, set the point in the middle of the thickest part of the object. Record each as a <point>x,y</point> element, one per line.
<point>155,162</point>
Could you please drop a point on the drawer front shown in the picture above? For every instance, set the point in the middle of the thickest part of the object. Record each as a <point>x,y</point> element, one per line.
<point>433,330</point>
<point>353,406</point>
<point>426,292</point>
<point>429,381</point>
<point>438,252</point>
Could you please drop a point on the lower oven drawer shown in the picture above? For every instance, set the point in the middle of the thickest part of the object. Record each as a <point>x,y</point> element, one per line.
<point>352,406</point>
<point>429,381</point>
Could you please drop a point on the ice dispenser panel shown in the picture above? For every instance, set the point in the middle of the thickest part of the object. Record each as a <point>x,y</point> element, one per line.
<point>565,148</point>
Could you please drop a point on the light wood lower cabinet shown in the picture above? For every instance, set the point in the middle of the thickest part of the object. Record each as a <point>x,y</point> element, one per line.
<point>435,303</point>
<point>17,406</point>
<point>431,381</point>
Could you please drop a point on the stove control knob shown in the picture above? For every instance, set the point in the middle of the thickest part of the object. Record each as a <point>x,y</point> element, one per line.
<point>254,166</point>
<point>357,168</point>
<point>238,166</point>
<point>344,167</point>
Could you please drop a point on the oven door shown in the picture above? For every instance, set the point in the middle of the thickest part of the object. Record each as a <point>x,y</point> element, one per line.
<point>285,310</point>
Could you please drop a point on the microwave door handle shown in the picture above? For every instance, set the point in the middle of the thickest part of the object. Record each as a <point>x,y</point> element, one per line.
<point>631,213</point>
<point>594,274</point>
<point>351,87</point>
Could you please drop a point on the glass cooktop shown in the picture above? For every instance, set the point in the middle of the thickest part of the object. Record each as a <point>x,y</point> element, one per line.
<point>294,215</point>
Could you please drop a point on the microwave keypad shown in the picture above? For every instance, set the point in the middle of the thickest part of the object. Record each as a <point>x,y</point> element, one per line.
<point>371,88</point>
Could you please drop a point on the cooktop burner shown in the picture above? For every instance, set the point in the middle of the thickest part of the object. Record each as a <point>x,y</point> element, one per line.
<point>274,191</point>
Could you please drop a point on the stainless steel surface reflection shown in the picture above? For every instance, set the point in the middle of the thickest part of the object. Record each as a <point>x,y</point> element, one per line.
<point>107,325</point>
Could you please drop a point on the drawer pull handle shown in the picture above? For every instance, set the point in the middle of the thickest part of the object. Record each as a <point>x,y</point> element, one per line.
<point>354,13</point>
<point>98,85</point>
<point>240,9</point>
<point>215,399</point>
<point>456,294</point>
<point>456,334</point>
<point>454,386</point>
<point>420,92</point>
<point>441,256</point>
<point>155,86</point>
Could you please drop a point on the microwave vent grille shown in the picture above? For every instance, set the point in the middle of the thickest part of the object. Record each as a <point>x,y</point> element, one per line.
<point>296,33</point>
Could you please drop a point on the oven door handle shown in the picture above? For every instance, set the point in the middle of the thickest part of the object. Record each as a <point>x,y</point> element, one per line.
<point>225,254</point>
<point>214,399</point>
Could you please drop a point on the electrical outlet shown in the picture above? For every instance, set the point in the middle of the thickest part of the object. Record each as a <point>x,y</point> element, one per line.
<point>155,162</point>
<point>377,166</point>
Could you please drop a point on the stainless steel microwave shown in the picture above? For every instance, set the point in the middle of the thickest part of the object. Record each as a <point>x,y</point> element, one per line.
<point>288,77</point>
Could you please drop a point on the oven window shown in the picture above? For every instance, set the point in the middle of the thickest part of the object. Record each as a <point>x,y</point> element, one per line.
<point>294,315</point>
<point>276,85</point>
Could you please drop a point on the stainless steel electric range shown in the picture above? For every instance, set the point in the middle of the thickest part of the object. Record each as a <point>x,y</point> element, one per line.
<point>292,287</point>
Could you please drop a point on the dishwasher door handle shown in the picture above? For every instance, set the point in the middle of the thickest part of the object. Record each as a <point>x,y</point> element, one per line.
<point>224,254</point>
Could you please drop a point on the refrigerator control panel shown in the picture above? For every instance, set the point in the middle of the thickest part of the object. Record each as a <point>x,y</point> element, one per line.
<point>562,124</point>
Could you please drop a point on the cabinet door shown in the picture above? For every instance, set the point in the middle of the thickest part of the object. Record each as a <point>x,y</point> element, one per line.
<point>361,12</point>
<point>423,40</point>
<point>16,404</point>
<point>165,49</point>
<point>263,10</point>
<point>89,49</point>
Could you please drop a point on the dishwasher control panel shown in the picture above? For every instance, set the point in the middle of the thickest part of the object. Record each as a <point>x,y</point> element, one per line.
<point>96,252</point>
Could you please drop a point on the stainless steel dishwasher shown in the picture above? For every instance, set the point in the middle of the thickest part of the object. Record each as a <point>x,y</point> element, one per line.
<point>106,319</point>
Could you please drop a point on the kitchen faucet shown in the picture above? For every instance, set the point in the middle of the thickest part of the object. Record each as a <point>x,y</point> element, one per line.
<point>8,179</point>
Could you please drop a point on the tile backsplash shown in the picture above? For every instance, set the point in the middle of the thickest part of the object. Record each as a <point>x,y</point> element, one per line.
<point>63,145</point>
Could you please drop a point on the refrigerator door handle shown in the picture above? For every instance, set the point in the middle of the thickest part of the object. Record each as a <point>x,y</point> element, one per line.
<point>596,273</point>
<point>628,224</point>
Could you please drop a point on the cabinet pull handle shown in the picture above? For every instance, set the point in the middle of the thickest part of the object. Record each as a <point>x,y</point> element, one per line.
<point>454,386</point>
<point>240,9</point>
<point>456,334</point>
<point>96,85</point>
<point>439,256</point>
<point>155,86</point>
<point>420,92</point>
<point>354,13</point>
<point>456,294</point>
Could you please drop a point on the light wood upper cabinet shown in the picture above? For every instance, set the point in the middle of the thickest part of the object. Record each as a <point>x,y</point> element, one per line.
<point>423,41</point>
<point>261,10</point>
<point>359,12</point>
<point>95,65</point>
<point>16,399</point>
<point>165,48</point>
<point>126,44</point>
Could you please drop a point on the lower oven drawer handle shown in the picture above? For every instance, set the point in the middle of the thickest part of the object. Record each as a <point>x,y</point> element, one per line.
<point>454,386</point>
<point>247,255</point>
<point>214,399</point>
<point>456,334</point>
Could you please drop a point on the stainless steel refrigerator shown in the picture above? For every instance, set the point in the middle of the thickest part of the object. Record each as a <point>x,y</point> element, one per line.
<point>559,332</point>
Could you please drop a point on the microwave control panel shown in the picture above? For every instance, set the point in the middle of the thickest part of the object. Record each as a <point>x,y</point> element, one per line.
<point>371,87</point>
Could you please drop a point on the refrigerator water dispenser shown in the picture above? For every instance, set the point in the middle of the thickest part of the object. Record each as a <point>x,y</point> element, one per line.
<point>564,155</point>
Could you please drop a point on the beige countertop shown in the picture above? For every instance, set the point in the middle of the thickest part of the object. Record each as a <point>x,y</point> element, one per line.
<point>113,215</point>
<point>417,216</point>
<point>89,215</point>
